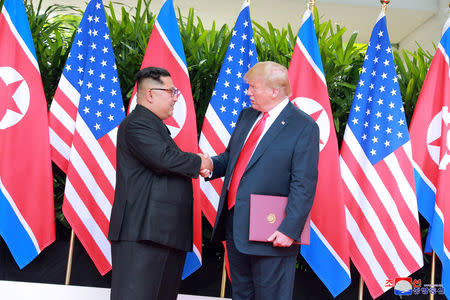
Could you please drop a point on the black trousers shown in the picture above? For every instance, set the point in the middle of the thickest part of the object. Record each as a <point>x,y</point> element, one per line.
<point>145,270</point>
<point>255,277</point>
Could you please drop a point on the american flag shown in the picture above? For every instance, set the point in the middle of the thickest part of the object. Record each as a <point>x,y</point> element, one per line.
<point>327,253</point>
<point>85,113</point>
<point>228,99</point>
<point>376,166</point>
<point>430,139</point>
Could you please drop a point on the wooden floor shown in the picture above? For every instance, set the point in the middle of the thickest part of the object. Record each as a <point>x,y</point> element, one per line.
<point>14,290</point>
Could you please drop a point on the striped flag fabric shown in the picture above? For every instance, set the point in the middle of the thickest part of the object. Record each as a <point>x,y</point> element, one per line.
<point>430,139</point>
<point>165,50</point>
<point>84,116</point>
<point>27,221</point>
<point>228,99</point>
<point>327,253</point>
<point>376,166</point>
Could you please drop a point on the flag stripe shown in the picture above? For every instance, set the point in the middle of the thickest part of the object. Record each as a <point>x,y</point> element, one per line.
<point>58,159</point>
<point>370,225</point>
<point>67,105</point>
<point>209,203</point>
<point>93,172</point>
<point>20,218</point>
<point>99,255</point>
<point>404,166</point>
<point>85,173</point>
<point>311,61</point>
<point>27,46</point>
<point>62,136</point>
<point>390,229</point>
<point>59,147</point>
<point>177,57</point>
<point>382,194</point>
<point>215,145</point>
<point>217,124</point>
<point>107,143</point>
<point>364,259</point>
<point>90,202</point>
<point>62,122</point>
<point>95,148</point>
<point>212,190</point>
<point>88,221</point>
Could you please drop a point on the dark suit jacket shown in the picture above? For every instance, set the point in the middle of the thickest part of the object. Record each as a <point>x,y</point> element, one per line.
<point>153,199</point>
<point>284,164</point>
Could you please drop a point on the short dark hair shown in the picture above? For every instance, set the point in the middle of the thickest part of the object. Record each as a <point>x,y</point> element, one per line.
<point>153,73</point>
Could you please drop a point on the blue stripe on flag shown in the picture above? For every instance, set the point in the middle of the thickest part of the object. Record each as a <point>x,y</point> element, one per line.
<point>322,262</point>
<point>307,35</point>
<point>16,11</point>
<point>170,28</point>
<point>427,197</point>
<point>436,236</point>
<point>191,265</point>
<point>15,235</point>
<point>445,41</point>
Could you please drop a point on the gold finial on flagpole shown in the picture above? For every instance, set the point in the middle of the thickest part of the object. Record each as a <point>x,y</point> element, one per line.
<point>311,4</point>
<point>385,4</point>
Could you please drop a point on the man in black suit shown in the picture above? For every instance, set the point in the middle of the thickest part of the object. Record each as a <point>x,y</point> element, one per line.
<point>151,226</point>
<point>273,150</point>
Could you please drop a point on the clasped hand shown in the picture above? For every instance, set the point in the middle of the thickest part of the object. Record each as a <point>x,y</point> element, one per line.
<point>207,165</point>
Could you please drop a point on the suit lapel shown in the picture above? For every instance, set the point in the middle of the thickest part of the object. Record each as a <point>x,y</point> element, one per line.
<point>277,126</point>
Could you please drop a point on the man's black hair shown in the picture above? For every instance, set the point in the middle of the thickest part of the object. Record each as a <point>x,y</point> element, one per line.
<point>153,73</point>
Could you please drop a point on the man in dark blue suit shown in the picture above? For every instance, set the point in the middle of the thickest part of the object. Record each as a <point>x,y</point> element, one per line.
<point>273,150</point>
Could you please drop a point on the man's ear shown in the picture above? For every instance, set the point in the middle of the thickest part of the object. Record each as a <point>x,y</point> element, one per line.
<point>275,93</point>
<point>148,96</point>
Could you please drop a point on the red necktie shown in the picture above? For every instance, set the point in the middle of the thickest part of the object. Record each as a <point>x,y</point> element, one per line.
<point>244,158</point>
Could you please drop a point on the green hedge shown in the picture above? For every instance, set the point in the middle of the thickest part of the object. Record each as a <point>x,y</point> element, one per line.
<point>205,50</point>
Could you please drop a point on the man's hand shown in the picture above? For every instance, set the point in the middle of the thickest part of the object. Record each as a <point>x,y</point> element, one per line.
<point>279,239</point>
<point>207,165</point>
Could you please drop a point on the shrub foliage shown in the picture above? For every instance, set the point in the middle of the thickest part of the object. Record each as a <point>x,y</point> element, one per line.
<point>54,28</point>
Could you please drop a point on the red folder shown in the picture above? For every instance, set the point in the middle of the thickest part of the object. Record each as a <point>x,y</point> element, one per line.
<point>266,214</point>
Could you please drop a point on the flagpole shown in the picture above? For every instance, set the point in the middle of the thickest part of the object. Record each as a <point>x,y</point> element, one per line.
<point>224,279</point>
<point>361,288</point>
<point>312,3</point>
<point>69,258</point>
<point>433,268</point>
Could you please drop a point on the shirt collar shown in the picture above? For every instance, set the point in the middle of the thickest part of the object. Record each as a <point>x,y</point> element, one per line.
<point>274,112</point>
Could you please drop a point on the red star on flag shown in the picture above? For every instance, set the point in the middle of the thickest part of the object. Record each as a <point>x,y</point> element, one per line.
<point>315,116</point>
<point>172,122</point>
<point>442,140</point>
<point>7,101</point>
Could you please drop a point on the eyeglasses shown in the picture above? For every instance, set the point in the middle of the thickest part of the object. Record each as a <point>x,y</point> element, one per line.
<point>173,91</point>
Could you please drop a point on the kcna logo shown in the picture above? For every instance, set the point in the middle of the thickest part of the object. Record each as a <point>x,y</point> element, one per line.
<point>14,97</point>
<point>438,138</point>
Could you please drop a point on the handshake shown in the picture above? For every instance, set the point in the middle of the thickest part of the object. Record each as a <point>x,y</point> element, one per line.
<point>207,165</point>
